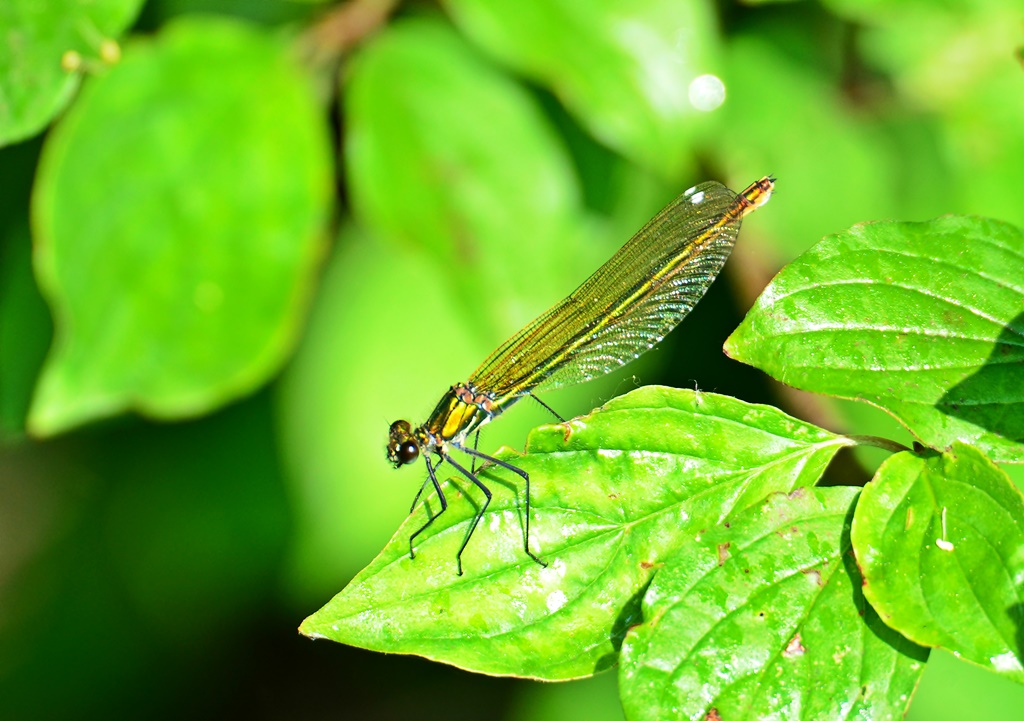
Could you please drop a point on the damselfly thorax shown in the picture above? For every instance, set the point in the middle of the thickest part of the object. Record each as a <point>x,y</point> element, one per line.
<point>462,410</point>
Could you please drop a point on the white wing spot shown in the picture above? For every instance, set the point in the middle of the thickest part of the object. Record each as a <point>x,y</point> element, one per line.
<point>697,198</point>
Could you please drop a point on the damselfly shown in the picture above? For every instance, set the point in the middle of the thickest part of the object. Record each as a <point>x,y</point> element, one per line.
<point>627,306</point>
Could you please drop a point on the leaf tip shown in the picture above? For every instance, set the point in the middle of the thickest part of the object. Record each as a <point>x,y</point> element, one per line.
<point>60,404</point>
<point>317,628</point>
<point>731,346</point>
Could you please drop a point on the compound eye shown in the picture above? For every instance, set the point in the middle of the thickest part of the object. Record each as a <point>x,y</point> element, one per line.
<point>402,426</point>
<point>408,452</point>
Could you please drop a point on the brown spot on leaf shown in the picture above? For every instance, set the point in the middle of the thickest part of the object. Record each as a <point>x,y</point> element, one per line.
<point>646,564</point>
<point>813,574</point>
<point>723,553</point>
<point>713,715</point>
<point>795,648</point>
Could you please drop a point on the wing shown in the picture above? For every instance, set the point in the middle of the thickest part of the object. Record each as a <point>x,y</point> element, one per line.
<point>629,304</point>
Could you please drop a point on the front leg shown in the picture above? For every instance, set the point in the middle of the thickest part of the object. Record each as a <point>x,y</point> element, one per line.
<point>440,497</point>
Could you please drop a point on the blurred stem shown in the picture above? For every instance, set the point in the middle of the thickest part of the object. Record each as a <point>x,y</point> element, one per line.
<point>342,28</point>
<point>878,442</point>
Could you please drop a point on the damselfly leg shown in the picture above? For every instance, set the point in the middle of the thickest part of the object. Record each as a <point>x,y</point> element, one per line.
<point>440,496</point>
<point>471,475</point>
<point>549,408</point>
<point>476,445</point>
<point>526,484</point>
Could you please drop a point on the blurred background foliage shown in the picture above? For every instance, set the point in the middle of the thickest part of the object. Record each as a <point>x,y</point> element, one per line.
<point>264,230</point>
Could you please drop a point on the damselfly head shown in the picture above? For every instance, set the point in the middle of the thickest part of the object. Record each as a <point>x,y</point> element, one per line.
<point>403,447</point>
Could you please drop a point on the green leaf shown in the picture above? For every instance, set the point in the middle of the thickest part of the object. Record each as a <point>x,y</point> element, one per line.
<point>447,154</point>
<point>940,540</point>
<point>613,493</point>
<point>34,86</point>
<point>762,617</point>
<point>925,320</point>
<point>178,219</point>
<point>626,68</point>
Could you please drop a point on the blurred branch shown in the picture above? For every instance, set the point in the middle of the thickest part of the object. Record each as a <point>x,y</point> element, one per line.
<point>342,28</point>
<point>878,442</point>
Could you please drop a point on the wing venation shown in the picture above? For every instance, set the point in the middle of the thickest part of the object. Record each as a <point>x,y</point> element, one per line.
<point>627,306</point>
